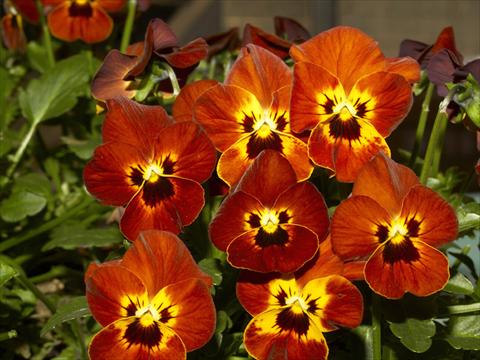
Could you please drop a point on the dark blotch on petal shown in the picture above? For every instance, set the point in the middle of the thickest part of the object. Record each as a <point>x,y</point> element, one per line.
<point>136,334</point>
<point>265,239</point>
<point>83,10</point>
<point>288,320</point>
<point>283,217</point>
<point>248,122</point>
<point>254,221</point>
<point>413,226</point>
<point>402,251</point>
<point>382,233</point>
<point>345,129</point>
<point>155,192</point>
<point>257,144</point>
<point>168,165</point>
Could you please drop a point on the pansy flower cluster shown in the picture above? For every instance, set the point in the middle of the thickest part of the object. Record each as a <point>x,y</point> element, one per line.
<point>271,125</point>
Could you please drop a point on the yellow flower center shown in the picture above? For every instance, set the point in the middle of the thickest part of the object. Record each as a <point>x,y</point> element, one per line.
<point>297,304</point>
<point>152,173</point>
<point>397,233</point>
<point>345,110</point>
<point>81,2</point>
<point>148,315</point>
<point>269,221</point>
<point>264,126</point>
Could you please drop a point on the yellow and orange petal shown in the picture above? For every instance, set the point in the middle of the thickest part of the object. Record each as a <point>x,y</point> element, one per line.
<point>394,179</point>
<point>259,72</point>
<point>80,20</point>
<point>160,258</point>
<point>183,108</point>
<point>406,266</point>
<point>128,338</point>
<point>132,123</point>
<point>346,52</point>
<point>187,308</point>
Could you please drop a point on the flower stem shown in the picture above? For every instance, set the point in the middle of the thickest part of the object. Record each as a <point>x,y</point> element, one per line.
<point>47,40</point>
<point>422,122</point>
<point>376,328</point>
<point>434,144</point>
<point>173,79</point>
<point>127,30</point>
<point>71,212</point>
<point>437,155</point>
<point>21,149</point>
<point>461,309</point>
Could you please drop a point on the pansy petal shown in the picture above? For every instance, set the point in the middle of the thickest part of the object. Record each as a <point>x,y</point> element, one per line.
<point>267,337</point>
<point>394,179</point>
<point>182,109</point>
<point>260,72</point>
<point>271,42</point>
<point>232,218</point>
<point>267,177</point>
<point>109,81</point>
<point>27,9</point>
<point>67,25</point>
<point>187,308</point>
<point>324,263</point>
<point>410,266</point>
<point>334,301</point>
<point>259,292</point>
<point>189,149</point>
<point>160,258</point>
<point>389,100</point>
<point>404,66</point>
<point>313,90</point>
<point>226,113</point>
<point>290,29</point>
<point>234,161</point>
<point>284,250</point>
<point>228,40</point>
<point>355,225</point>
<point>435,220</point>
<point>169,205</point>
<point>329,48</point>
<point>12,33</point>
<point>353,270</point>
<point>112,5</point>
<point>413,48</point>
<point>321,147</point>
<point>188,55</point>
<point>127,339</point>
<point>109,175</point>
<point>296,151</point>
<point>132,123</point>
<point>446,40</point>
<point>114,292</point>
<point>306,207</point>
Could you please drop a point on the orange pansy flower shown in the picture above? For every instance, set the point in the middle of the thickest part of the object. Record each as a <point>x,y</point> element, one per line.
<point>155,303</point>
<point>250,113</point>
<point>271,222</point>
<point>350,96</point>
<point>151,166</point>
<point>395,230</point>
<point>12,33</point>
<point>85,20</point>
<point>292,311</point>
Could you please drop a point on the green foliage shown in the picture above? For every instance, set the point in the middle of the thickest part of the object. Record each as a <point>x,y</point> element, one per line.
<point>414,334</point>
<point>74,308</point>
<point>464,332</point>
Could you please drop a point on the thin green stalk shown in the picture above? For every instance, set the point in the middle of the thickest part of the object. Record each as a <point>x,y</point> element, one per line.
<point>173,79</point>
<point>376,328</point>
<point>71,212</point>
<point>433,144</point>
<point>127,30</point>
<point>7,335</point>
<point>422,122</point>
<point>437,154</point>
<point>21,149</point>
<point>47,40</point>
<point>461,309</point>
<point>77,331</point>
<point>22,279</point>
<point>54,272</point>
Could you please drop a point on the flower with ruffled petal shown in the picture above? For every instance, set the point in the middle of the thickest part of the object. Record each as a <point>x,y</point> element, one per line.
<point>151,166</point>
<point>85,20</point>
<point>154,303</point>
<point>271,222</point>
<point>350,96</point>
<point>395,230</point>
<point>249,113</point>
<point>292,311</point>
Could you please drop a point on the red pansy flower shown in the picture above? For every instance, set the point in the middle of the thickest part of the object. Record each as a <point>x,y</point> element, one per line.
<point>27,9</point>
<point>85,20</point>
<point>350,95</point>
<point>150,166</point>
<point>292,311</point>
<point>12,33</point>
<point>396,230</point>
<point>271,222</point>
<point>249,113</point>
<point>154,303</point>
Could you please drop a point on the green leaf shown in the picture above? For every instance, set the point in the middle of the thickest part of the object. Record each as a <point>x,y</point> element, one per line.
<point>21,204</point>
<point>414,334</point>
<point>6,273</point>
<point>464,332</point>
<point>56,91</point>
<point>212,267</point>
<point>37,56</point>
<point>82,148</point>
<point>459,284</point>
<point>72,235</point>
<point>75,308</point>
<point>223,322</point>
<point>468,217</point>
<point>34,183</point>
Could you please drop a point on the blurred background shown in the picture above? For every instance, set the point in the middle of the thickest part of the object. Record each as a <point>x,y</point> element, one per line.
<point>388,21</point>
